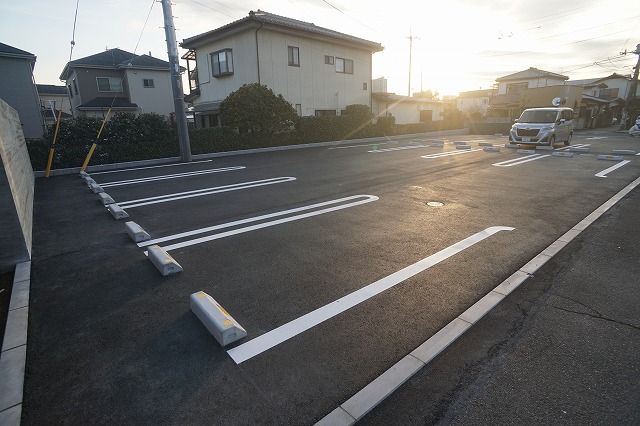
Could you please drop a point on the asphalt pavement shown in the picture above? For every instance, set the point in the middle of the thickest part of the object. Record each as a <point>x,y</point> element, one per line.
<point>111,341</point>
<point>563,349</point>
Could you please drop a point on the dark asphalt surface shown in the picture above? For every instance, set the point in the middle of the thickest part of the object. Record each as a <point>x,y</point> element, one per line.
<point>113,342</point>
<point>563,349</point>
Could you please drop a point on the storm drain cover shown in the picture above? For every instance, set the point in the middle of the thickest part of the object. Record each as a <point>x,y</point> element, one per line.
<point>435,204</point>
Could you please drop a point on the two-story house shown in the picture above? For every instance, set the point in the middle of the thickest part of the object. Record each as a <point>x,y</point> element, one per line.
<point>474,102</point>
<point>318,70</point>
<point>118,80</point>
<point>53,99</point>
<point>18,89</point>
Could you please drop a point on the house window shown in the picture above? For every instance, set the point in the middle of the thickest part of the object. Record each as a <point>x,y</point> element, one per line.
<point>75,86</point>
<point>222,62</point>
<point>325,113</point>
<point>147,82</point>
<point>516,88</point>
<point>364,86</point>
<point>294,56</point>
<point>299,109</point>
<point>70,92</point>
<point>344,66</point>
<point>609,93</point>
<point>109,84</point>
<point>328,60</point>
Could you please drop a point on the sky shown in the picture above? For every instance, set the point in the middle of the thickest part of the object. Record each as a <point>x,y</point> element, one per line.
<point>457,45</point>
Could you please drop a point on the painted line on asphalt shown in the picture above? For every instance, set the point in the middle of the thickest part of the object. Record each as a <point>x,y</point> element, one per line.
<point>379,389</point>
<point>150,167</point>
<point>291,329</point>
<point>447,154</point>
<point>201,192</point>
<point>400,148</point>
<point>596,137</point>
<point>172,176</point>
<point>359,146</point>
<point>368,198</point>
<point>510,163</point>
<point>603,174</point>
<point>578,145</point>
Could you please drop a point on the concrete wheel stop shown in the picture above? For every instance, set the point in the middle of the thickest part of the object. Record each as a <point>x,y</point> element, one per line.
<point>220,324</point>
<point>166,264</point>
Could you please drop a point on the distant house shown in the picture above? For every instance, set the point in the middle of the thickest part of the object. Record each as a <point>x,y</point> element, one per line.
<point>474,101</point>
<point>118,80</point>
<point>319,71</point>
<point>407,109</point>
<point>510,100</point>
<point>17,88</point>
<point>52,100</point>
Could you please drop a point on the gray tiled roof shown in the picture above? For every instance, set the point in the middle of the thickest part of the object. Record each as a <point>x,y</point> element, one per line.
<point>6,50</point>
<point>114,59</point>
<point>50,89</point>
<point>103,102</point>
<point>531,73</point>
<point>261,17</point>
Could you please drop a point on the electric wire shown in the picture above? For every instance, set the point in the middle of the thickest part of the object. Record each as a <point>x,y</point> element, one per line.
<point>73,35</point>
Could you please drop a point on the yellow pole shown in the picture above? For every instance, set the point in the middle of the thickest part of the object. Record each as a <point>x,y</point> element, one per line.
<point>55,135</point>
<point>93,147</point>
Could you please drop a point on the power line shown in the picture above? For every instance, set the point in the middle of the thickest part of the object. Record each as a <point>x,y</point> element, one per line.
<point>215,10</point>
<point>143,27</point>
<point>73,36</point>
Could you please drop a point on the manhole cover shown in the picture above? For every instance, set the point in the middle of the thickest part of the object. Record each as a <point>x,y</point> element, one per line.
<point>435,204</point>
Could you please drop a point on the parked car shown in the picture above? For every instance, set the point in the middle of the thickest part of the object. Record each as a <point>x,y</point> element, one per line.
<point>543,126</point>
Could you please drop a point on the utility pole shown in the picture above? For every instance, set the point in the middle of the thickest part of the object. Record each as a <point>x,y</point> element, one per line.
<point>410,55</point>
<point>176,82</point>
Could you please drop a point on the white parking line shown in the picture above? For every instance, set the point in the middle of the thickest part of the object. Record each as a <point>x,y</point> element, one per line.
<point>181,235</point>
<point>285,332</point>
<point>398,148</point>
<point>578,145</point>
<point>596,137</point>
<point>367,199</point>
<point>150,167</point>
<point>450,153</point>
<point>359,146</point>
<point>516,161</point>
<point>603,174</point>
<point>200,192</point>
<point>172,176</point>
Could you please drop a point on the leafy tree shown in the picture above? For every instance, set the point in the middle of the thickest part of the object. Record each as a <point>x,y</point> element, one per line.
<point>256,108</point>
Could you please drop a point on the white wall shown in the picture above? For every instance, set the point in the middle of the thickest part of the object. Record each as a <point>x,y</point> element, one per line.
<point>158,99</point>
<point>314,85</point>
<point>533,83</point>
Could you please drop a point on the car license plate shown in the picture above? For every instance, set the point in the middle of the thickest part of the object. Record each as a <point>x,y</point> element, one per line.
<point>526,139</point>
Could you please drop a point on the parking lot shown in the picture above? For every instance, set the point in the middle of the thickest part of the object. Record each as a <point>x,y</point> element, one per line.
<point>338,261</point>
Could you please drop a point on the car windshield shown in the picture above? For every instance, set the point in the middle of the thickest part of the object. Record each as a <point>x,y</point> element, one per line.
<point>538,116</point>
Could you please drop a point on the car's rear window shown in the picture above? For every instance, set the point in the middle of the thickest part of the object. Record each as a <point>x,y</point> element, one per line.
<point>538,116</point>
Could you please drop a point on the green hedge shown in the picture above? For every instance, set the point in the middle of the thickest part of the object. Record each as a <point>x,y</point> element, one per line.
<point>129,137</point>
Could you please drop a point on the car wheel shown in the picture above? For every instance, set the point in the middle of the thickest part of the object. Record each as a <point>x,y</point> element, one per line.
<point>552,140</point>
<point>568,141</point>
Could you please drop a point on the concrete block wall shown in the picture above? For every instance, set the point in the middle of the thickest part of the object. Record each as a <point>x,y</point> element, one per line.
<point>16,191</point>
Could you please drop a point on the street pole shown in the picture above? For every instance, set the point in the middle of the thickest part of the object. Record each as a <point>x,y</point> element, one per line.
<point>410,56</point>
<point>176,82</point>
<point>634,81</point>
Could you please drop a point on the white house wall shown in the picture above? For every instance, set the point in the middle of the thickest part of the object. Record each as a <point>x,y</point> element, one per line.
<point>158,99</point>
<point>533,83</point>
<point>245,70</point>
<point>314,85</point>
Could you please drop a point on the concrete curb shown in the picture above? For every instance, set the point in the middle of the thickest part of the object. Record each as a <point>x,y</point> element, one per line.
<point>14,348</point>
<point>356,407</point>
<point>159,161</point>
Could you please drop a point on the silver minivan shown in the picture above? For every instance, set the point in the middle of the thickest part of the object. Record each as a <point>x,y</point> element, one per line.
<point>543,126</point>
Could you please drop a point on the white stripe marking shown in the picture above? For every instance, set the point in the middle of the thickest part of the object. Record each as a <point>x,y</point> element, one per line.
<point>596,137</point>
<point>358,146</point>
<point>287,331</point>
<point>603,174</point>
<point>149,167</point>
<point>368,199</point>
<point>529,158</point>
<point>578,145</point>
<point>398,148</point>
<point>248,220</point>
<point>447,154</point>
<point>200,192</point>
<point>173,176</point>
